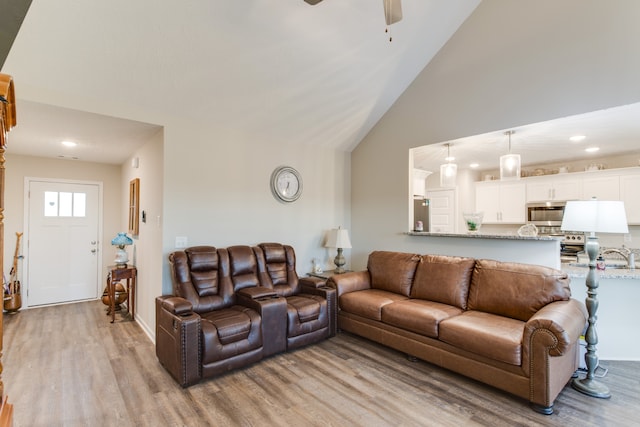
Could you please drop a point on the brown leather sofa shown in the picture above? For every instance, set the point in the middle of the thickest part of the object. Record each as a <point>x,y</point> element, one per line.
<point>512,326</point>
<point>233,306</point>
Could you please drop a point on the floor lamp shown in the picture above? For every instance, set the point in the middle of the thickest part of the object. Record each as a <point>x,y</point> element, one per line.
<point>593,216</point>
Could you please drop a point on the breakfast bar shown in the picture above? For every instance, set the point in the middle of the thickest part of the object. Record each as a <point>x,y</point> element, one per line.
<point>540,250</point>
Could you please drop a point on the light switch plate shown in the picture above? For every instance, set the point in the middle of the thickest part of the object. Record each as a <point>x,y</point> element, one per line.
<point>181,242</point>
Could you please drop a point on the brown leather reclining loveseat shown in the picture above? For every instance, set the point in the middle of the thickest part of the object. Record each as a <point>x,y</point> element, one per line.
<point>512,326</point>
<point>233,306</point>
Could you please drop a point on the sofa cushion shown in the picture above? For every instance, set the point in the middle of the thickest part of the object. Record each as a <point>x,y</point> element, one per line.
<point>305,308</point>
<point>243,267</point>
<point>392,271</point>
<point>229,332</point>
<point>443,279</point>
<point>203,266</point>
<point>419,316</point>
<point>515,290</point>
<point>305,314</point>
<point>368,303</point>
<point>496,337</point>
<point>276,262</point>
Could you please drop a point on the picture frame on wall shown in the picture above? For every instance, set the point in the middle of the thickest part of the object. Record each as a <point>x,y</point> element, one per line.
<point>134,206</point>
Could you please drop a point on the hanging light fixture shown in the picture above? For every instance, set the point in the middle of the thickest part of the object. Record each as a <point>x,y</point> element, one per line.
<point>510,163</point>
<point>448,171</point>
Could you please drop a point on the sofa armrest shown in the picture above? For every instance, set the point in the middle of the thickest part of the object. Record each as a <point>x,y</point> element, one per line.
<point>257,292</point>
<point>176,305</point>
<point>312,282</point>
<point>178,339</point>
<point>565,320</point>
<point>350,282</point>
<point>273,311</point>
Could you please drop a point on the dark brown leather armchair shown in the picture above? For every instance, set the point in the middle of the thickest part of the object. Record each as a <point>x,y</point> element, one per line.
<point>308,308</point>
<point>201,331</point>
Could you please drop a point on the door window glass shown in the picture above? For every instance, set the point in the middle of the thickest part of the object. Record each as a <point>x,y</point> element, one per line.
<point>64,204</point>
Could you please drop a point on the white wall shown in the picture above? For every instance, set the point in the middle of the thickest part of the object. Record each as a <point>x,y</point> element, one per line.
<point>217,193</point>
<point>146,253</point>
<point>510,64</point>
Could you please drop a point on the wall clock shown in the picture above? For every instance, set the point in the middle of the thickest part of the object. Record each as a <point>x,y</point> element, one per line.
<point>286,184</point>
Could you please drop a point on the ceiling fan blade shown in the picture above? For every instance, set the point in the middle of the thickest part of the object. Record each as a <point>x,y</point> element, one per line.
<point>392,11</point>
<point>312,2</point>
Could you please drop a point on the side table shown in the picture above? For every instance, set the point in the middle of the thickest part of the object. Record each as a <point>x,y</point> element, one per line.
<point>325,274</point>
<point>116,274</point>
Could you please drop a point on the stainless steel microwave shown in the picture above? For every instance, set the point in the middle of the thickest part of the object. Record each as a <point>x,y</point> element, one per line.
<point>546,213</point>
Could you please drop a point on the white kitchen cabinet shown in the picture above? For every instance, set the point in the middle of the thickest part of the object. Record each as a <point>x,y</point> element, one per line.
<point>502,203</point>
<point>601,185</point>
<point>419,181</point>
<point>630,195</point>
<point>559,187</point>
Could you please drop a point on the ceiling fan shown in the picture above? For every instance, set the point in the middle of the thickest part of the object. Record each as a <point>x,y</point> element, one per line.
<point>392,10</point>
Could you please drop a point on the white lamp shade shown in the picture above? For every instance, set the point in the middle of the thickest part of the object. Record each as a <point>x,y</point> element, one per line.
<point>338,238</point>
<point>448,174</point>
<point>510,166</point>
<point>596,216</point>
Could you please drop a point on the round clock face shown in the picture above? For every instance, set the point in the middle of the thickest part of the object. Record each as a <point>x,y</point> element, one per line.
<point>286,184</point>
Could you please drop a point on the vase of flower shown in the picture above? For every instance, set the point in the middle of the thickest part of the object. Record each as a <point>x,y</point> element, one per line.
<point>473,221</point>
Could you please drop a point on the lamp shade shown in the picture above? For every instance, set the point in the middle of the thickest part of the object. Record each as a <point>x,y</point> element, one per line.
<point>510,166</point>
<point>121,240</point>
<point>448,174</point>
<point>338,238</point>
<point>596,216</point>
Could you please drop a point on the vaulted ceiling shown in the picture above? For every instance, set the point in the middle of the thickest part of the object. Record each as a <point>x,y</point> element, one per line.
<point>282,71</point>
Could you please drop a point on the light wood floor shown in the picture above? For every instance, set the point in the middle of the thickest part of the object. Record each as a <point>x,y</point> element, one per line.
<point>68,366</point>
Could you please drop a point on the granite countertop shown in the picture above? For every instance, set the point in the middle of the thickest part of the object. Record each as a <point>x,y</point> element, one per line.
<point>481,236</point>
<point>579,271</point>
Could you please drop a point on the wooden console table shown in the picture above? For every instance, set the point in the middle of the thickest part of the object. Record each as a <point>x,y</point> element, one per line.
<point>116,274</point>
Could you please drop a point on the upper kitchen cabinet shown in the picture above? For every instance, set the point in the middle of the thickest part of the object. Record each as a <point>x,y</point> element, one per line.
<point>501,202</point>
<point>629,188</point>
<point>419,181</point>
<point>557,187</point>
<point>603,185</point>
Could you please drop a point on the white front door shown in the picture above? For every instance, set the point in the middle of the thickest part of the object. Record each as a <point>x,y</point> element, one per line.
<point>63,247</point>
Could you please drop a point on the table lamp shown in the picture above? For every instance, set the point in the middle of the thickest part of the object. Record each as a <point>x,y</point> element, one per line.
<point>593,216</point>
<point>121,240</point>
<point>338,238</point>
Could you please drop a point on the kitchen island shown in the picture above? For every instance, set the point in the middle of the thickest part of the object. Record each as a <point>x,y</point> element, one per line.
<point>540,250</point>
<point>618,299</point>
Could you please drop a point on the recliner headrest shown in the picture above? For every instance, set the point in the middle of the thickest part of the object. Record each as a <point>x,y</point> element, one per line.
<point>202,258</point>
<point>273,252</point>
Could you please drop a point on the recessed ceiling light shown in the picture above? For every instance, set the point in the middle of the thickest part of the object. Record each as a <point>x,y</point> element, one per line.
<point>591,149</point>
<point>474,165</point>
<point>577,138</point>
<point>68,143</point>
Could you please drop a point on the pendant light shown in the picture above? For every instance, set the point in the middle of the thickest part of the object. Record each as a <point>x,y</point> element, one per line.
<point>448,171</point>
<point>510,163</point>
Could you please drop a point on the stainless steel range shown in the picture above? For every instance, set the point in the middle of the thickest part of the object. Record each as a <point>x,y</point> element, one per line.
<point>571,243</point>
